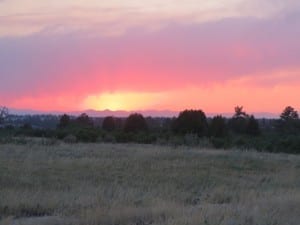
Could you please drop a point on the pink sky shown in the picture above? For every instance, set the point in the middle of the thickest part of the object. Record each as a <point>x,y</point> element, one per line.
<point>140,55</point>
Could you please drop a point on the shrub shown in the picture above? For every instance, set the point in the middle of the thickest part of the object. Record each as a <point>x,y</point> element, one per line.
<point>288,144</point>
<point>122,137</point>
<point>61,134</point>
<point>109,138</point>
<point>87,135</point>
<point>144,138</point>
<point>176,141</point>
<point>191,139</point>
<point>71,139</point>
<point>220,142</point>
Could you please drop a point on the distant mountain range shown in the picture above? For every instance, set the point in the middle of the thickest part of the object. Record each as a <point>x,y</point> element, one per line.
<point>98,113</point>
<point>123,113</point>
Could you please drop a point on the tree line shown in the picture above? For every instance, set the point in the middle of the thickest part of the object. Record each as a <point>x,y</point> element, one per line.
<point>190,127</point>
<point>191,122</point>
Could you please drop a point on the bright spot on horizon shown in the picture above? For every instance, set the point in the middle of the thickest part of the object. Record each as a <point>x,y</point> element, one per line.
<point>121,101</point>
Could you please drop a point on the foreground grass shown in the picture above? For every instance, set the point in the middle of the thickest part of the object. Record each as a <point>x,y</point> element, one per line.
<point>142,184</point>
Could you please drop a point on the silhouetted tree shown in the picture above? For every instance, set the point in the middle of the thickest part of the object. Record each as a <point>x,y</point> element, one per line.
<point>239,112</point>
<point>64,121</point>
<point>3,114</point>
<point>84,120</point>
<point>252,126</point>
<point>109,123</point>
<point>135,123</point>
<point>238,123</point>
<point>289,113</point>
<point>191,121</point>
<point>289,121</point>
<point>218,126</point>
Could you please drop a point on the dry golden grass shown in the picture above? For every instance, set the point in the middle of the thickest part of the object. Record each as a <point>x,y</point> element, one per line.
<point>109,184</point>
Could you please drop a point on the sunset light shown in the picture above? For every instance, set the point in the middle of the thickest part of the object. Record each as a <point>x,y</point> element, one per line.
<point>149,55</point>
<point>122,101</point>
<point>150,112</point>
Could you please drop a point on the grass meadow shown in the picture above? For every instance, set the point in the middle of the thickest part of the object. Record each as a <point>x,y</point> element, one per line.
<point>131,184</point>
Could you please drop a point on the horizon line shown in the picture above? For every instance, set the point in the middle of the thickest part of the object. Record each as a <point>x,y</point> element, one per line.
<point>124,113</point>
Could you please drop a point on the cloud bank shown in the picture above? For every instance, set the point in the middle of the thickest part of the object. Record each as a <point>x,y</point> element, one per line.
<point>51,59</point>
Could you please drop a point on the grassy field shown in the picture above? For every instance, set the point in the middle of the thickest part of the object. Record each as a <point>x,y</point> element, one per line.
<point>109,184</point>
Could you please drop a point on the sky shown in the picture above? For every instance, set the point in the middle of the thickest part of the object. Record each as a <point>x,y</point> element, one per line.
<point>67,55</point>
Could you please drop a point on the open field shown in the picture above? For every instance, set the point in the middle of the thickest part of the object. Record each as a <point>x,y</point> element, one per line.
<point>91,184</point>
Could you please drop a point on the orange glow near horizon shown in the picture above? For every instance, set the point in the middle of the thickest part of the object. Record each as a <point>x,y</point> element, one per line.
<point>139,55</point>
<point>122,101</point>
<point>213,98</point>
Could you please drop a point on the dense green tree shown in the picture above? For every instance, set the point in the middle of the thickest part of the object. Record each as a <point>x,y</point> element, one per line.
<point>191,121</point>
<point>218,127</point>
<point>109,123</point>
<point>135,123</point>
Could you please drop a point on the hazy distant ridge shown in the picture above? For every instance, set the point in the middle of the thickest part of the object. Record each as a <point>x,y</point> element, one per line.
<point>124,113</point>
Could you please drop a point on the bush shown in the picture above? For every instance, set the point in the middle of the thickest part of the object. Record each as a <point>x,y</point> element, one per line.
<point>288,144</point>
<point>122,137</point>
<point>145,138</point>
<point>176,141</point>
<point>71,139</point>
<point>223,143</point>
<point>61,134</point>
<point>87,135</point>
<point>191,139</point>
<point>109,138</point>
